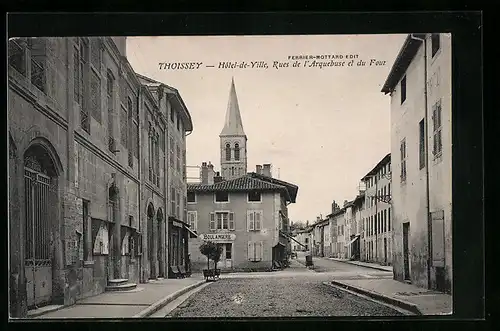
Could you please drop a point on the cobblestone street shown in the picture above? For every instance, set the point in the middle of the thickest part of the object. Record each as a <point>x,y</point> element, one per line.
<point>293,292</point>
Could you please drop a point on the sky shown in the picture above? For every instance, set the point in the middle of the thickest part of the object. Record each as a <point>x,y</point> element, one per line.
<point>322,129</point>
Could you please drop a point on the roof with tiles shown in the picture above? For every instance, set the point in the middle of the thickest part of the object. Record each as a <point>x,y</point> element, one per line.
<point>241,184</point>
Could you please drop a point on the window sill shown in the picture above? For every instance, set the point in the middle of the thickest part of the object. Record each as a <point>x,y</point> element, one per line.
<point>89,263</point>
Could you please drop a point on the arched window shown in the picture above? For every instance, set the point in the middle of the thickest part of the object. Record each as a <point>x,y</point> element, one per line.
<point>228,152</point>
<point>237,152</point>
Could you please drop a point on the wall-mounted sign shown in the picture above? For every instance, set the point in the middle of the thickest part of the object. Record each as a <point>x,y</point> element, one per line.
<point>217,236</point>
<point>177,224</point>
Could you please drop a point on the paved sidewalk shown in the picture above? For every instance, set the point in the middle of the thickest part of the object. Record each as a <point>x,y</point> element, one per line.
<point>418,300</point>
<point>140,302</point>
<point>364,264</point>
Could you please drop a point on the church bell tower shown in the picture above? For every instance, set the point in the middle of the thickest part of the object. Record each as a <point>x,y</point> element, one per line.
<point>233,140</point>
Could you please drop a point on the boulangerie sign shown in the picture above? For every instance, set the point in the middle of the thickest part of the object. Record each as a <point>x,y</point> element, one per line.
<point>218,236</point>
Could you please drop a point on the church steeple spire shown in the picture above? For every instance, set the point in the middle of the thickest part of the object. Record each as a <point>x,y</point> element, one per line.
<point>233,140</point>
<point>233,125</point>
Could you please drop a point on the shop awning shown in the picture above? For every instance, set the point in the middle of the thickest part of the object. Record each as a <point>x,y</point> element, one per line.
<point>353,240</point>
<point>192,234</point>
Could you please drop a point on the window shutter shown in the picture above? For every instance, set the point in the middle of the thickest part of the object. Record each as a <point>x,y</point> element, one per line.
<point>231,221</point>
<point>212,221</point>
<point>250,220</point>
<point>195,221</point>
<point>251,251</point>
<point>260,253</point>
<point>258,220</point>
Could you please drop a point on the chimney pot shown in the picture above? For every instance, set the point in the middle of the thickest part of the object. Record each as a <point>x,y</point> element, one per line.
<point>203,164</point>
<point>266,171</point>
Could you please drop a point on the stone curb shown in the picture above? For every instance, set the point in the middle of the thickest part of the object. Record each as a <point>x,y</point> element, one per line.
<point>361,265</point>
<point>166,300</point>
<point>43,312</point>
<point>377,296</point>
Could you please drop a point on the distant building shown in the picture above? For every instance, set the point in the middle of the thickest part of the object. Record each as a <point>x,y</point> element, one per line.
<point>355,225</point>
<point>245,213</point>
<point>337,221</point>
<point>420,87</point>
<point>377,243</point>
<point>321,237</point>
<point>247,216</point>
<point>301,242</point>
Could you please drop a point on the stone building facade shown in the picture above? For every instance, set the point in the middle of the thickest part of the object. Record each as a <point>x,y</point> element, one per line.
<point>337,229</point>
<point>79,122</point>
<point>247,216</point>
<point>420,88</point>
<point>166,190</point>
<point>377,243</point>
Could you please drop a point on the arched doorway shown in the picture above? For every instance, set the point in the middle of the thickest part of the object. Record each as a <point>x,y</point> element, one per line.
<point>159,218</point>
<point>151,242</point>
<point>41,215</point>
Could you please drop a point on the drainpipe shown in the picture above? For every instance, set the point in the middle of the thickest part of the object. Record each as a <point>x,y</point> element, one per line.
<point>429,222</point>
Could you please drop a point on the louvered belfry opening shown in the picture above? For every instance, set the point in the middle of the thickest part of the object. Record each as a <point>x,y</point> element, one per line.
<point>40,194</point>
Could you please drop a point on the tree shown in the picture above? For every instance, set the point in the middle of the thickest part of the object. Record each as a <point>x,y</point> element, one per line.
<point>217,255</point>
<point>212,251</point>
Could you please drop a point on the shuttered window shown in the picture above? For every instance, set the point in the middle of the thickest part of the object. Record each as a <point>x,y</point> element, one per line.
<point>193,220</point>
<point>250,220</point>
<point>223,220</point>
<point>255,251</point>
<point>231,221</point>
<point>212,221</point>
<point>254,220</point>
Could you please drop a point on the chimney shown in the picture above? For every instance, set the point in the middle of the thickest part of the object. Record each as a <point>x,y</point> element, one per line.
<point>207,173</point>
<point>335,207</point>
<point>204,173</point>
<point>318,218</point>
<point>211,173</point>
<point>258,169</point>
<point>266,171</point>
<point>217,178</point>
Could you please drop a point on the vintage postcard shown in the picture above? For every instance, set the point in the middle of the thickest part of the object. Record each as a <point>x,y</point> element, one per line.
<point>230,176</point>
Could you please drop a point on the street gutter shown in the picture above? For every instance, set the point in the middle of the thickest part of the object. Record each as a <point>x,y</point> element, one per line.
<point>166,300</point>
<point>361,265</point>
<point>377,296</point>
